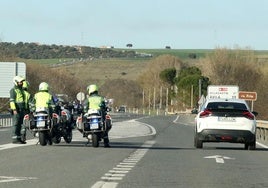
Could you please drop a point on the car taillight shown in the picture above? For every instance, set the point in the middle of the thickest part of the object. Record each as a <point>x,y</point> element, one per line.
<point>108,116</point>
<point>54,115</point>
<point>63,113</point>
<point>26,117</point>
<point>79,119</point>
<point>248,115</point>
<point>205,113</point>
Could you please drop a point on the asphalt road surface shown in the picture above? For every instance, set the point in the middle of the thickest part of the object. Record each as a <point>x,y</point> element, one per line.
<point>156,151</point>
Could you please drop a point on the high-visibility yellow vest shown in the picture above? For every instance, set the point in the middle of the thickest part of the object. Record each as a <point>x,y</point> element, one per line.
<point>17,98</point>
<point>43,99</point>
<point>95,102</point>
<point>27,99</point>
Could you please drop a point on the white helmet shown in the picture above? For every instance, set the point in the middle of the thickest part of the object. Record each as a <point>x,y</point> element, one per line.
<point>92,88</point>
<point>18,79</point>
<point>43,86</point>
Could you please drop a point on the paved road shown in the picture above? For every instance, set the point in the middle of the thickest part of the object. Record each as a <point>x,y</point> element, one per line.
<point>148,152</point>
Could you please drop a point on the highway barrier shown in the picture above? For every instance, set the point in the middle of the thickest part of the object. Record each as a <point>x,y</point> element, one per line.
<point>262,131</point>
<point>5,120</point>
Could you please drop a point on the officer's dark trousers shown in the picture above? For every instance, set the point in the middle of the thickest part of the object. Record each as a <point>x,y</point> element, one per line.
<point>17,126</point>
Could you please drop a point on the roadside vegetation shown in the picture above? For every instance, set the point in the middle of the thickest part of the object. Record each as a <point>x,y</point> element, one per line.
<point>166,78</point>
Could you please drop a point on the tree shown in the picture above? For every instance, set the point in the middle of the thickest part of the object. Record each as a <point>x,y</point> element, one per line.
<point>129,45</point>
<point>187,79</point>
<point>233,67</point>
<point>168,75</point>
<point>150,80</point>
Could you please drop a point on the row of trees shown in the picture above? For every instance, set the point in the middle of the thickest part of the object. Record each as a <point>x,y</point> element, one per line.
<point>37,51</point>
<point>181,80</point>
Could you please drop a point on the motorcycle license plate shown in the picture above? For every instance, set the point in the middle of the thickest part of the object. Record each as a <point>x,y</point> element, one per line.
<point>94,125</point>
<point>40,124</point>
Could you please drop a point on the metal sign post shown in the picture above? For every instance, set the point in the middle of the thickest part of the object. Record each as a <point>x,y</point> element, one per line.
<point>8,70</point>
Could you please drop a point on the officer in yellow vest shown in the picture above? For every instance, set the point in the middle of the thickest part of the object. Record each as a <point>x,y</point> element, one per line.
<point>18,108</point>
<point>96,102</point>
<point>43,99</point>
<point>27,95</point>
<point>25,87</point>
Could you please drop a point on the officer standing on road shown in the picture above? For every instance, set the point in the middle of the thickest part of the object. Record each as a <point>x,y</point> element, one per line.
<point>97,102</point>
<point>27,95</point>
<point>25,87</point>
<point>18,108</point>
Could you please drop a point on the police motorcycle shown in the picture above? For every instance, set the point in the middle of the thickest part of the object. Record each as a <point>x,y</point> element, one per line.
<point>40,124</point>
<point>94,125</point>
<point>64,127</point>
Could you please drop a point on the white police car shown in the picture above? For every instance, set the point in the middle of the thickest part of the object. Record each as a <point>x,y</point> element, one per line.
<point>225,120</point>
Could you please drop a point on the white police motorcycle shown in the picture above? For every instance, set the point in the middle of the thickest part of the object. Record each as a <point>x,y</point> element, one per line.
<point>95,126</point>
<point>41,124</point>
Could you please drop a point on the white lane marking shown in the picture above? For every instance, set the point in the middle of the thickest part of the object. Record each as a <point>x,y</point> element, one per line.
<point>124,163</point>
<point>125,166</point>
<point>111,178</point>
<point>124,169</point>
<point>104,184</point>
<point>175,121</point>
<point>118,171</point>
<point>10,145</point>
<point>115,175</point>
<point>4,179</point>
<point>219,158</point>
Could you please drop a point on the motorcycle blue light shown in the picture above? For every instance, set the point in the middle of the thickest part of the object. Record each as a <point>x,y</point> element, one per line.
<point>94,120</point>
<point>40,118</point>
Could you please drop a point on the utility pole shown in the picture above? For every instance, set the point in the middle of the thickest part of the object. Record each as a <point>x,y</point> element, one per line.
<point>154,99</point>
<point>160,103</point>
<point>200,86</point>
<point>192,96</point>
<point>167,101</point>
<point>149,105</point>
<point>143,101</point>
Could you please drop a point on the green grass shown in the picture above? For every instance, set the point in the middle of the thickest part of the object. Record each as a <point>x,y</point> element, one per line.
<point>50,61</point>
<point>183,54</point>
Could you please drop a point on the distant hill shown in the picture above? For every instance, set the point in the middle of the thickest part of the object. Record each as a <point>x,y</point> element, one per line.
<point>38,51</point>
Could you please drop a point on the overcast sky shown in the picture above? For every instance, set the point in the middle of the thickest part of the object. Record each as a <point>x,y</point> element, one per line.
<point>180,24</point>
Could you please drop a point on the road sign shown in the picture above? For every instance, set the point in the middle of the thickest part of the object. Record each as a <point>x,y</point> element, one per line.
<point>247,95</point>
<point>7,72</point>
<point>222,92</point>
<point>80,96</point>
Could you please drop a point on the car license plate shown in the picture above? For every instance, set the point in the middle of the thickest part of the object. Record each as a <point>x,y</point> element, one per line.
<point>228,119</point>
<point>94,125</point>
<point>40,124</point>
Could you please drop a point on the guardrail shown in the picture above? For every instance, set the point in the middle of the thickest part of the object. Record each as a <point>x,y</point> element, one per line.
<point>262,131</point>
<point>261,134</point>
<point>5,120</point>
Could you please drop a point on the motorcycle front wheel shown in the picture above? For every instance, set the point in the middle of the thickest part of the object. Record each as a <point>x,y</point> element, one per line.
<point>95,140</point>
<point>56,139</point>
<point>42,138</point>
<point>68,138</point>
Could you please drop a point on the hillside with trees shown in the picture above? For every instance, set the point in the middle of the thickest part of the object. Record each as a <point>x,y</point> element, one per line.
<point>38,51</point>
